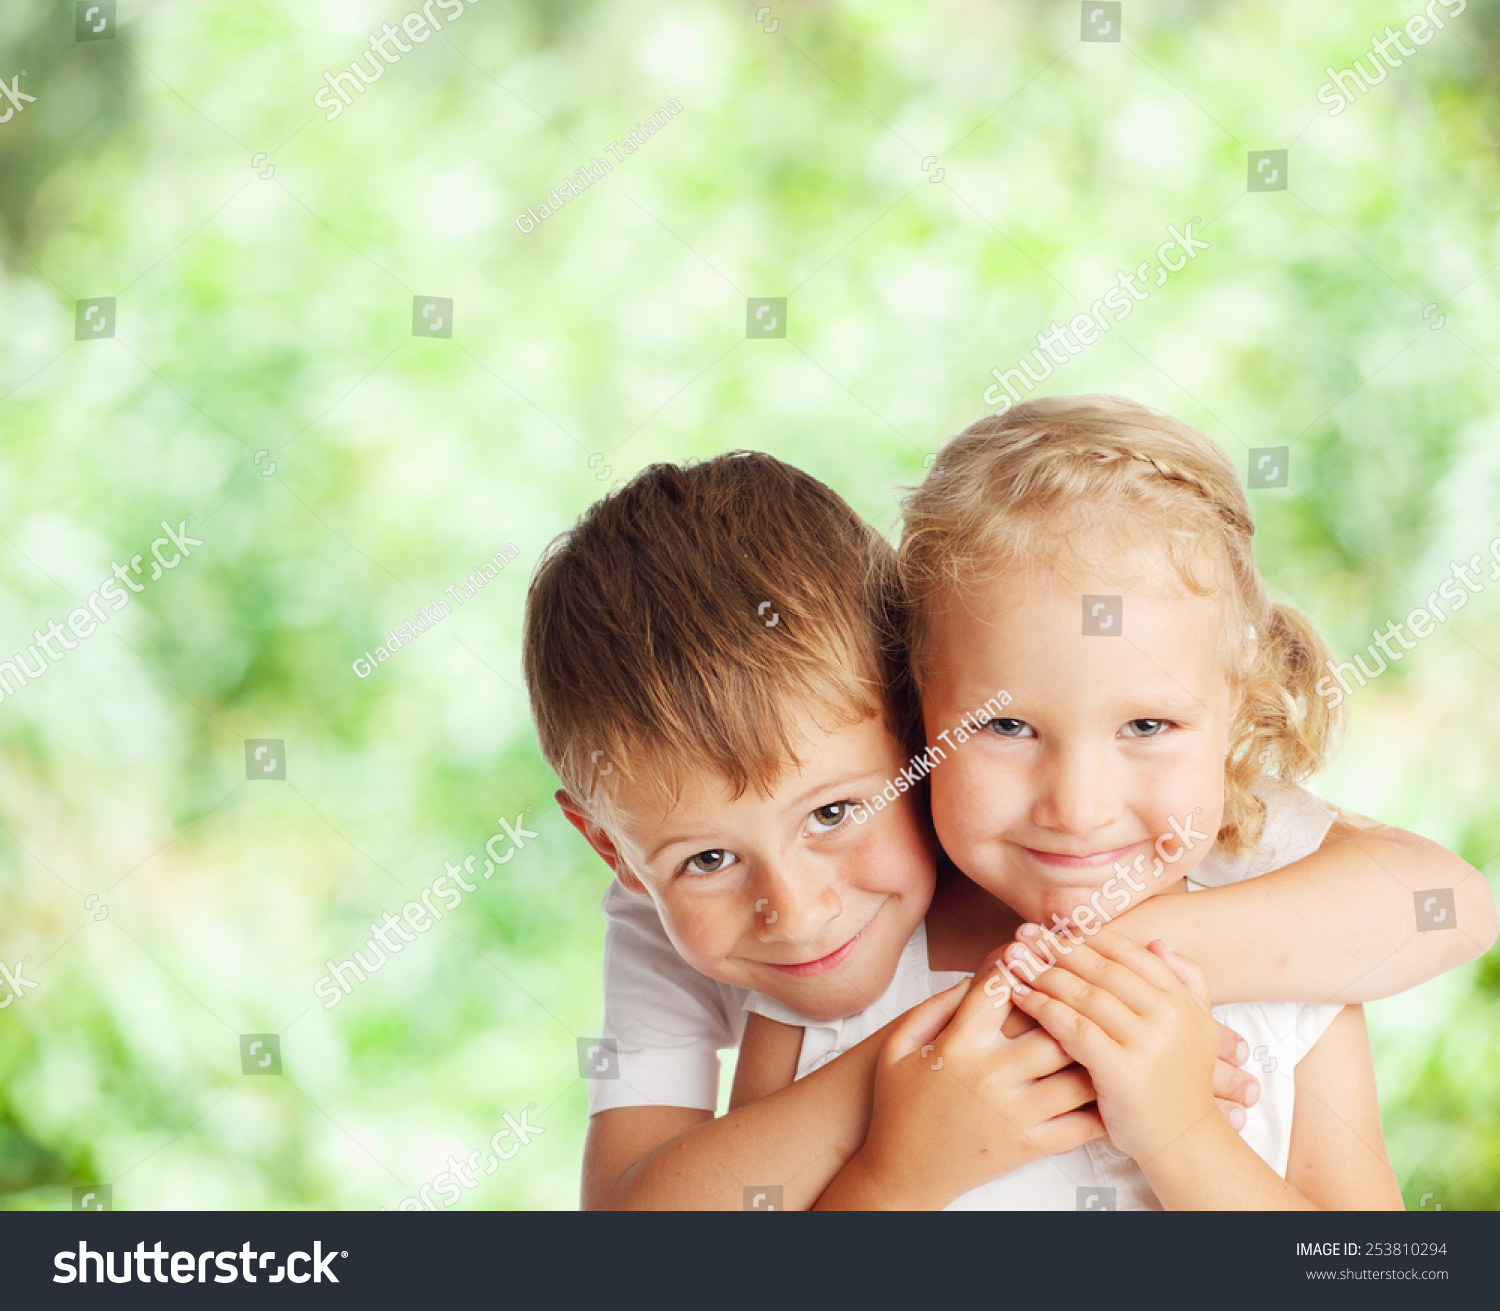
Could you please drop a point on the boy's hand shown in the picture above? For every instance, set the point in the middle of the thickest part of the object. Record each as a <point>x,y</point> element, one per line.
<point>1148,1041</point>
<point>1235,1090</point>
<point>958,1104</point>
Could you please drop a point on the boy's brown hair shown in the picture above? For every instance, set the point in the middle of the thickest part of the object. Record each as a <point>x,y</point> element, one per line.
<point>695,617</point>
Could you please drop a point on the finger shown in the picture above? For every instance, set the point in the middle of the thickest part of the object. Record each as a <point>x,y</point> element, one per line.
<point>1027,959</point>
<point>1093,1000</point>
<point>1067,1090</point>
<point>1034,1055</point>
<point>1234,1113</point>
<point>922,1024</point>
<point>1069,1131</point>
<point>1078,1035</point>
<point>987,1005</point>
<point>1232,1046</point>
<point>1183,967</point>
<point>1118,947</point>
<point>1017,1023</point>
<point>1234,1085</point>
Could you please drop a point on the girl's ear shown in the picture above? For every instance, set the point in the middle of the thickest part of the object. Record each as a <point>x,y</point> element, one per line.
<point>601,842</point>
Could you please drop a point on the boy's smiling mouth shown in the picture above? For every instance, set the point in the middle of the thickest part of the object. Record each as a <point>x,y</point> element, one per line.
<point>810,969</point>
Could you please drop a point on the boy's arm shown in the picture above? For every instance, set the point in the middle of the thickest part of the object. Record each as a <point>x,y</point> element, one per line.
<point>798,1135</point>
<point>767,1063</point>
<point>673,1158</point>
<point>1339,925</point>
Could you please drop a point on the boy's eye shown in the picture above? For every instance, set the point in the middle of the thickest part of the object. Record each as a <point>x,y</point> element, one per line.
<point>1146,727</point>
<point>1010,728</point>
<point>709,862</point>
<point>829,817</point>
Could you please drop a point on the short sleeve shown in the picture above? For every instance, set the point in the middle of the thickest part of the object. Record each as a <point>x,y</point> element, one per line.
<point>1312,1023</point>
<point>667,1021</point>
<point>1296,824</point>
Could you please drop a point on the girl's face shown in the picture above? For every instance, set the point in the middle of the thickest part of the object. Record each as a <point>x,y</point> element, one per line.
<point>1111,752</point>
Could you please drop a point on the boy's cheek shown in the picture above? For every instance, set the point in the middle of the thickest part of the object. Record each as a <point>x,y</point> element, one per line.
<point>703,935</point>
<point>893,856</point>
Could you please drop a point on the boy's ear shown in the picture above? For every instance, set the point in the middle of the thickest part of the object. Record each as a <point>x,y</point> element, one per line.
<point>597,838</point>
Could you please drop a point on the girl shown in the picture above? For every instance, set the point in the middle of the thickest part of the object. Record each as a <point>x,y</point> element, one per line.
<point>1086,563</point>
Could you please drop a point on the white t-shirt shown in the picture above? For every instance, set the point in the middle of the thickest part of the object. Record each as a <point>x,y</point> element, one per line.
<point>669,1022</point>
<point>1279,1034</point>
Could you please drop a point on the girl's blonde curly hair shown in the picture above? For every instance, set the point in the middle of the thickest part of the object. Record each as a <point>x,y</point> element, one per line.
<point>1004,492</point>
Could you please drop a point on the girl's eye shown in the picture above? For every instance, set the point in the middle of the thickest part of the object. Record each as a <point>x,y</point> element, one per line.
<point>709,862</point>
<point>1146,727</point>
<point>1010,728</point>
<point>827,818</point>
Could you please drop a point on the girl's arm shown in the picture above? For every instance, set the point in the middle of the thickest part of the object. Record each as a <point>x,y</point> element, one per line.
<point>1338,1155</point>
<point>1338,1160</point>
<point>1148,1042</point>
<point>1339,925</point>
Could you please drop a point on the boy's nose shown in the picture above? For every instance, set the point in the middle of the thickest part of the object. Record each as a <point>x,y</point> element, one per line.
<point>1077,794</point>
<point>795,905</point>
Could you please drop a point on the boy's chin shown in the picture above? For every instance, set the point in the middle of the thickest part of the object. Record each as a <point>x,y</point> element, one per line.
<point>824,1003</point>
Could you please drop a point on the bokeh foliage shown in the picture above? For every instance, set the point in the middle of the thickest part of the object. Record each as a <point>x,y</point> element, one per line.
<point>274,315</point>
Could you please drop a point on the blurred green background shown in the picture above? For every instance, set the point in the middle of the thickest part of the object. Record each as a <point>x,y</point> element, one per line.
<point>266,319</point>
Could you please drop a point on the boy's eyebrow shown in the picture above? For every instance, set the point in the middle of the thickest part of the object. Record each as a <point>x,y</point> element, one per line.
<point>828,785</point>
<point>843,780</point>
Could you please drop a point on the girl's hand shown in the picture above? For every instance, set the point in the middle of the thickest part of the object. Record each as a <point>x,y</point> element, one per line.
<point>1124,1013</point>
<point>1235,1090</point>
<point>958,1104</point>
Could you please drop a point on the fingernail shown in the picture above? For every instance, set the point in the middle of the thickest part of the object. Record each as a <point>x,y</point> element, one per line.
<point>1019,988</point>
<point>1252,1093</point>
<point>1241,1052</point>
<point>1029,931</point>
<point>1237,1117</point>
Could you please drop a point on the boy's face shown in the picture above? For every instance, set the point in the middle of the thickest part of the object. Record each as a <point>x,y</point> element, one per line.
<point>1108,740</point>
<point>784,894</point>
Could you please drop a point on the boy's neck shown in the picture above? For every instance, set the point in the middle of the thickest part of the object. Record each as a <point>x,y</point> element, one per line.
<point>965,923</point>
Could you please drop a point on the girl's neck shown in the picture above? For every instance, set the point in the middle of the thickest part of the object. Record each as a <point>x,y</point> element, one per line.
<point>965,923</point>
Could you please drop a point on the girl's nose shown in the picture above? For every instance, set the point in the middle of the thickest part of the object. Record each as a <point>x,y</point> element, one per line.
<point>1077,794</point>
